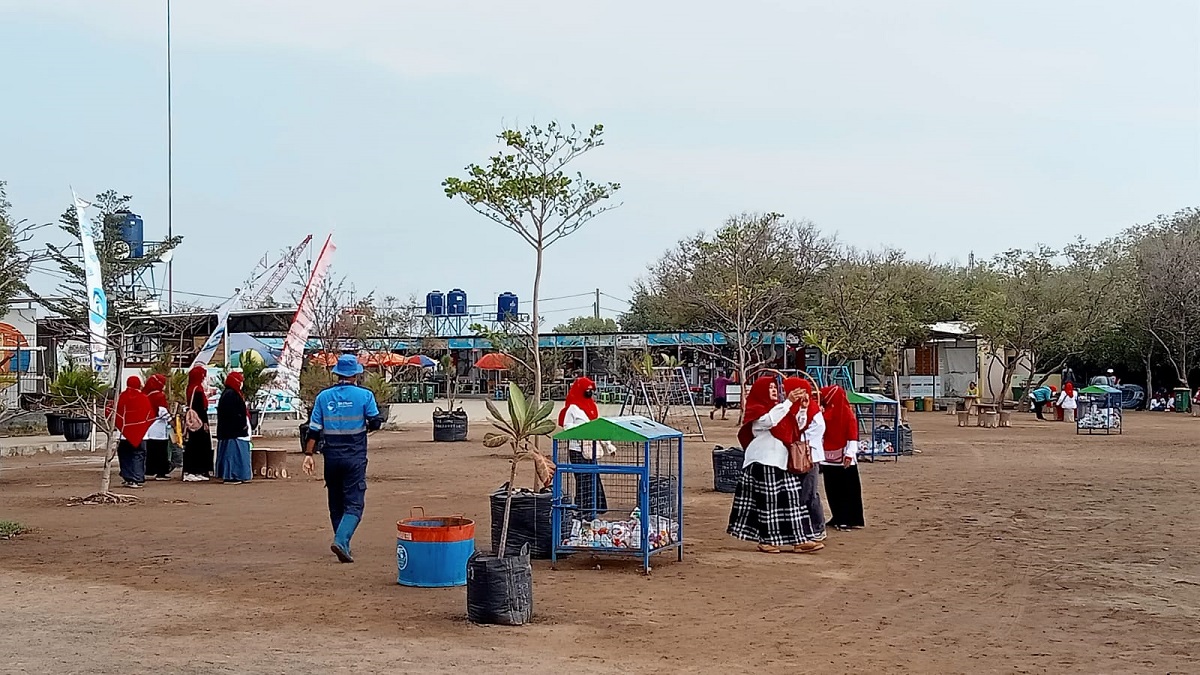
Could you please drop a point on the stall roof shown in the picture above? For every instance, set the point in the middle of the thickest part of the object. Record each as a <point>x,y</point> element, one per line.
<point>957,328</point>
<point>860,398</point>
<point>619,429</point>
<point>1100,389</point>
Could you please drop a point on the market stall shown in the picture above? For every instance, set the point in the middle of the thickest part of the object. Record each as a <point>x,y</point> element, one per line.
<point>618,489</point>
<point>880,434</point>
<point>1099,410</point>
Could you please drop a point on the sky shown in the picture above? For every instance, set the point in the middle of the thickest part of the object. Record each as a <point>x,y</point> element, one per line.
<point>941,127</point>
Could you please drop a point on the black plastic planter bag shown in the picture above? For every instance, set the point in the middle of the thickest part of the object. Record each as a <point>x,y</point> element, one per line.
<point>499,590</point>
<point>528,523</point>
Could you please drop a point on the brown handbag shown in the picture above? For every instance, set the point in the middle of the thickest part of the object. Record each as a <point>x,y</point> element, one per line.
<point>799,458</point>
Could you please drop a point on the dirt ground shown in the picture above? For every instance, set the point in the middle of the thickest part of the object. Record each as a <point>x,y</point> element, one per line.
<point>1025,550</point>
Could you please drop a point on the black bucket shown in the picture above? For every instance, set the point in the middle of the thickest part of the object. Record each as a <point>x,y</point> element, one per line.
<point>499,590</point>
<point>54,424</point>
<point>528,523</point>
<point>449,425</point>
<point>77,429</point>
<point>727,467</point>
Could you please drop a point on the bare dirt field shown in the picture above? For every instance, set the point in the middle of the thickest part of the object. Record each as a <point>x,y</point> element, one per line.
<point>1025,550</point>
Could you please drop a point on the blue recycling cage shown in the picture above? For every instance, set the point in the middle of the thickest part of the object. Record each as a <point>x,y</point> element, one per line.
<point>1099,410</point>
<point>618,489</point>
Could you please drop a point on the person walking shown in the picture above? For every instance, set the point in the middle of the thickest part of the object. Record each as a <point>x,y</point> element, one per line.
<point>158,446</point>
<point>812,430</point>
<point>720,389</point>
<point>839,465</point>
<point>1068,401</point>
<point>133,418</point>
<point>233,433</point>
<point>197,449</point>
<point>768,505</point>
<point>342,416</point>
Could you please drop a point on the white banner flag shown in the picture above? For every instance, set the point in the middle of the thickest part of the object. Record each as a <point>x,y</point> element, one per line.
<point>214,340</point>
<point>96,300</point>
<point>291,360</point>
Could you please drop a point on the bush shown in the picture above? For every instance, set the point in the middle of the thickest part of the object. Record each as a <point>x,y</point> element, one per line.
<point>377,384</point>
<point>77,388</point>
<point>10,529</point>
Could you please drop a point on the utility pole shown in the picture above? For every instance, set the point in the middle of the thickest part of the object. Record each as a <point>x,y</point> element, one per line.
<point>597,305</point>
<point>170,176</point>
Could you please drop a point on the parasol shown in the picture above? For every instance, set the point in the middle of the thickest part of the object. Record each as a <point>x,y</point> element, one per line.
<point>494,361</point>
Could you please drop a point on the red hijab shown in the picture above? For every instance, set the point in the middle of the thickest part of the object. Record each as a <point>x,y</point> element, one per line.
<point>234,381</point>
<point>1069,390</point>
<point>759,403</point>
<point>134,413</point>
<point>154,390</point>
<point>575,397</point>
<point>841,424</point>
<point>814,406</point>
<point>196,377</point>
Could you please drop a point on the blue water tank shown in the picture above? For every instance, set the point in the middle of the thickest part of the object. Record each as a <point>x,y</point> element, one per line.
<point>456,302</point>
<point>435,303</point>
<point>130,230</point>
<point>507,307</point>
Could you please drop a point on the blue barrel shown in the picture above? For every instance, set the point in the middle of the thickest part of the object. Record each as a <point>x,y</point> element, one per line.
<point>456,302</point>
<point>130,229</point>
<point>433,552</point>
<point>435,303</point>
<point>507,307</point>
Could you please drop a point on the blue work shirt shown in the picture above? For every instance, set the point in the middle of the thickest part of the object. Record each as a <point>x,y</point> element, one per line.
<point>342,414</point>
<point>1042,394</point>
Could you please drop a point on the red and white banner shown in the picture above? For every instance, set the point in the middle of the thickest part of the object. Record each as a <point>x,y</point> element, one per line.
<point>291,360</point>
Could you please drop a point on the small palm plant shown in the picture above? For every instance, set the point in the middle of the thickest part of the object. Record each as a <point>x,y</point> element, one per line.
<point>525,423</point>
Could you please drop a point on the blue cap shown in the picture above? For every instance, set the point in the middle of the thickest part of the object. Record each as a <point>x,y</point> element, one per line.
<point>347,366</point>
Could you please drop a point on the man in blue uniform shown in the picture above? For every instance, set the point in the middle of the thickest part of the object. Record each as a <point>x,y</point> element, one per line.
<point>341,417</point>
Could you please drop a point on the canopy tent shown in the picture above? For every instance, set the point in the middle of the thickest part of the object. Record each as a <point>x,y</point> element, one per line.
<point>420,361</point>
<point>240,342</point>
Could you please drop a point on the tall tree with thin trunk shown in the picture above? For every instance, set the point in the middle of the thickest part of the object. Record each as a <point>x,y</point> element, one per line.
<point>526,188</point>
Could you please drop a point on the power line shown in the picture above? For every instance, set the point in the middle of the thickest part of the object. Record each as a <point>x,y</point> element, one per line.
<point>613,297</point>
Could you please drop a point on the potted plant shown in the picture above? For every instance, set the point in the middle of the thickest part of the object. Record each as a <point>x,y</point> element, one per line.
<point>384,391</point>
<point>500,586</point>
<point>72,389</point>
<point>450,424</point>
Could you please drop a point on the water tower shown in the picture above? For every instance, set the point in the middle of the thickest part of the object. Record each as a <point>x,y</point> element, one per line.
<point>138,286</point>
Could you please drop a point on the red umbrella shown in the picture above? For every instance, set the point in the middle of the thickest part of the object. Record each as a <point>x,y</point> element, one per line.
<point>324,359</point>
<point>494,361</point>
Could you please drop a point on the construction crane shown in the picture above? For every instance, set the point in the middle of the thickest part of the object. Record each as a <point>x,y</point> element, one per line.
<point>274,275</point>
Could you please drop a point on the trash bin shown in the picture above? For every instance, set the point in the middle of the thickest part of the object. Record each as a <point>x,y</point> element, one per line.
<point>1018,393</point>
<point>918,404</point>
<point>428,390</point>
<point>909,404</point>
<point>929,404</point>
<point>1183,397</point>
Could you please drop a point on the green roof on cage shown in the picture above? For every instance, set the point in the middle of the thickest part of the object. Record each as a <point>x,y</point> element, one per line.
<point>619,429</point>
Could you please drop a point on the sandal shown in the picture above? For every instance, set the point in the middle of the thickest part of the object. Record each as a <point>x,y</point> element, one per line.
<point>767,548</point>
<point>808,547</point>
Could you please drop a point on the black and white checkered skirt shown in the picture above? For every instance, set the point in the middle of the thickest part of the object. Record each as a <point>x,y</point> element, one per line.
<point>769,508</point>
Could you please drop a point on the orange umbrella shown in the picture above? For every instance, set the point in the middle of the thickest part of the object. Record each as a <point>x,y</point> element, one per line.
<point>324,359</point>
<point>377,359</point>
<point>494,361</point>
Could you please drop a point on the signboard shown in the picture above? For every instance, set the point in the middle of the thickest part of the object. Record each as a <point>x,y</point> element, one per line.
<point>920,386</point>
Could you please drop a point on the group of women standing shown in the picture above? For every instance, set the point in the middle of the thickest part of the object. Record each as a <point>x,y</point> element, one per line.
<point>791,438</point>
<point>143,422</point>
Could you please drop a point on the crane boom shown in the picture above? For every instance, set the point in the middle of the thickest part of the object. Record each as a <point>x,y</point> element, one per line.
<point>274,275</point>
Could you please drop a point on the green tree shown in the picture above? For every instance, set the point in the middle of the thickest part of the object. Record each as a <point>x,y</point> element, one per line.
<point>526,188</point>
<point>16,259</point>
<point>1166,255</point>
<point>746,280</point>
<point>587,325</point>
<point>116,266</point>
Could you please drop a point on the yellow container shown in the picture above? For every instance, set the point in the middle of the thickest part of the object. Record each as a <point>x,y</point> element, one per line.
<point>910,404</point>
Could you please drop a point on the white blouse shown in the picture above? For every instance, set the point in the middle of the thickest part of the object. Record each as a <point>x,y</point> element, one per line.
<point>814,434</point>
<point>159,430</point>
<point>573,418</point>
<point>765,449</point>
<point>1068,402</point>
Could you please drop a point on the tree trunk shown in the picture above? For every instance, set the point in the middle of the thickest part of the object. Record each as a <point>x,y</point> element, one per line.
<point>110,452</point>
<point>1147,358</point>
<point>537,346</point>
<point>512,478</point>
<point>742,376</point>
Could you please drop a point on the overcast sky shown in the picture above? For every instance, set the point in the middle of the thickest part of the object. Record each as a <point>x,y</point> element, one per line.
<point>940,127</point>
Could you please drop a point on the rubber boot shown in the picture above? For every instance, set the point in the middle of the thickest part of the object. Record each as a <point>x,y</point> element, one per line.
<point>341,540</point>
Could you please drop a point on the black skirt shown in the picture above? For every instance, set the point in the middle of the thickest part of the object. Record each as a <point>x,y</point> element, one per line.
<point>158,457</point>
<point>844,492</point>
<point>198,453</point>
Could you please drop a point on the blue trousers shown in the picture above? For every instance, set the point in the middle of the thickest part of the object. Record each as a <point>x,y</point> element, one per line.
<point>133,462</point>
<point>346,481</point>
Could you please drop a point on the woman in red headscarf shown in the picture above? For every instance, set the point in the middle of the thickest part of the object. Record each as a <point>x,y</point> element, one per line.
<point>840,466</point>
<point>768,505</point>
<point>1068,401</point>
<point>580,408</point>
<point>812,426</point>
<point>233,433</point>
<point>197,449</point>
<point>133,417</point>
<point>158,448</point>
